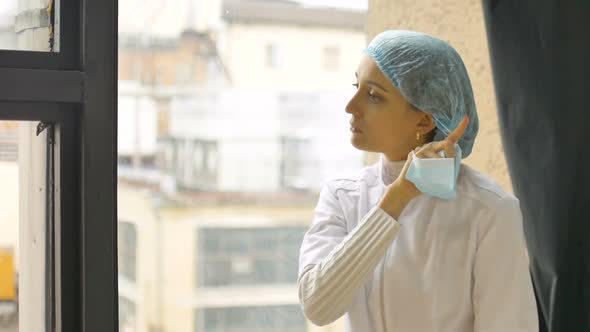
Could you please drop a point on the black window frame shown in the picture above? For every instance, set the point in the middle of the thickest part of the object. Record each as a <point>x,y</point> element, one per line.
<point>76,90</point>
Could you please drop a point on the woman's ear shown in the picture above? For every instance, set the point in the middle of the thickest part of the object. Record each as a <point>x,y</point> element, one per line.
<point>426,123</point>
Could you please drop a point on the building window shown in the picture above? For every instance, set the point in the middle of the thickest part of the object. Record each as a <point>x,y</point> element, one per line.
<point>125,161</point>
<point>8,141</point>
<point>214,73</point>
<point>184,73</point>
<point>127,250</point>
<point>204,165</point>
<point>180,148</point>
<point>192,162</point>
<point>277,318</point>
<point>298,165</point>
<point>248,256</point>
<point>331,58</point>
<point>205,161</point>
<point>167,154</point>
<point>126,315</point>
<point>136,72</point>
<point>274,56</point>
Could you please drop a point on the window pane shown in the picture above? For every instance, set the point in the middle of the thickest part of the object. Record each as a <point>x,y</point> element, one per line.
<point>23,227</point>
<point>245,105</point>
<point>257,256</point>
<point>266,271</point>
<point>217,273</point>
<point>252,318</point>
<point>27,25</point>
<point>266,241</point>
<point>235,242</point>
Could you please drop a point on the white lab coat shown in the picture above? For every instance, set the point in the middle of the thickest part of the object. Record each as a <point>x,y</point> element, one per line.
<point>455,266</point>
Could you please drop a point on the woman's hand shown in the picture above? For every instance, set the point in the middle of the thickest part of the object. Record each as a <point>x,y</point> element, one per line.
<point>402,191</point>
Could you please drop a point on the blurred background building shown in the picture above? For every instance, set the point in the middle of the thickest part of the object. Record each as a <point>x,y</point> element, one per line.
<point>231,116</point>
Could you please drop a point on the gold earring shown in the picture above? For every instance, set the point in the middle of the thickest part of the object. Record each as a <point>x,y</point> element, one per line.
<point>417,136</point>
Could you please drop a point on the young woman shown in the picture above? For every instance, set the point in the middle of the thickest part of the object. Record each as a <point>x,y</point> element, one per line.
<point>393,248</point>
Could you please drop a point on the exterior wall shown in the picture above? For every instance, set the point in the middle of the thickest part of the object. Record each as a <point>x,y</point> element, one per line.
<point>245,55</point>
<point>460,23</point>
<point>243,51</point>
<point>178,268</point>
<point>173,61</point>
<point>136,208</point>
<point>155,17</point>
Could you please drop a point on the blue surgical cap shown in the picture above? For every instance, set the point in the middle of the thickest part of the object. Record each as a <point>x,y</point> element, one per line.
<point>431,76</point>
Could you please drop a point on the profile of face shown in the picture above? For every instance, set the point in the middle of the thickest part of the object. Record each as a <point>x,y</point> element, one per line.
<point>382,120</point>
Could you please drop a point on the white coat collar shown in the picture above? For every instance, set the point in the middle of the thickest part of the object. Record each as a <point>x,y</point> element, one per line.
<point>389,170</point>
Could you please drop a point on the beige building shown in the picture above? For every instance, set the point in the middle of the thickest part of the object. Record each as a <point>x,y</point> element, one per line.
<point>165,62</point>
<point>270,42</point>
<point>262,44</point>
<point>185,266</point>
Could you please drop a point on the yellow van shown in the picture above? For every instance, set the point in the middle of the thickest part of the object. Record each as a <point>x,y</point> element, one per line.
<point>7,275</point>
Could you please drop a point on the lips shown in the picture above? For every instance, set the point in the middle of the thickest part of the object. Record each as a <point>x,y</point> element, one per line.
<point>354,128</point>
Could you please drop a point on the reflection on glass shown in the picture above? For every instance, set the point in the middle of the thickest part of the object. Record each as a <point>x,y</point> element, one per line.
<point>9,230</point>
<point>28,25</point>
<point>245,128</point>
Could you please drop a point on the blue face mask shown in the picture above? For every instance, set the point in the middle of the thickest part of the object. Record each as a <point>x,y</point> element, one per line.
<point>436,176</point>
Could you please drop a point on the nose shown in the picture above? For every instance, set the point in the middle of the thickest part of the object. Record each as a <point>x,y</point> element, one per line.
<point>352,107</point>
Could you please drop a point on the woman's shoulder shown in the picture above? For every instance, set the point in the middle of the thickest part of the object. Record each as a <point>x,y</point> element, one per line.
<point>475,185</point>
<point>352,180</point>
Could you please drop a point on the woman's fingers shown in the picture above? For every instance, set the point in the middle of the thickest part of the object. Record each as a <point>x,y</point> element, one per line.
<point>427,153</point>
<point>456,134</point>
<point>406,165</point>
<point>449,149</point>
<point>432,149</point>
<point>448,144</point>
<point>427,150</point>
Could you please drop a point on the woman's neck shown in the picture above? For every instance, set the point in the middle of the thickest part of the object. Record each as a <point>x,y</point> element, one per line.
<point>390,170</point>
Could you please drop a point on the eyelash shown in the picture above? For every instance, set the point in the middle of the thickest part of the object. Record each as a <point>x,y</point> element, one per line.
<point>371,96</point>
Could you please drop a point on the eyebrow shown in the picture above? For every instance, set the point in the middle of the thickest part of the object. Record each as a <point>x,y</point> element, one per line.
<point>373,83</point>
<point>376,84</point>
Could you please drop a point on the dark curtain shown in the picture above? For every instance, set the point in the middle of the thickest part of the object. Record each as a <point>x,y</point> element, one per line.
<point>540,54</point>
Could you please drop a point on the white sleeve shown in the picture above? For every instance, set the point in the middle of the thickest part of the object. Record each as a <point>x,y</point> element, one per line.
<point>334,264</point>
<point>503,298</point>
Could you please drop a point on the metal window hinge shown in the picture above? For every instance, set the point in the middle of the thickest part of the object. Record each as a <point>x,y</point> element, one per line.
<point>44,125</point>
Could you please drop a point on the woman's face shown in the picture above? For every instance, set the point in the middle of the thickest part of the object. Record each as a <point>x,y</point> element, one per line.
<point>382,120</point>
